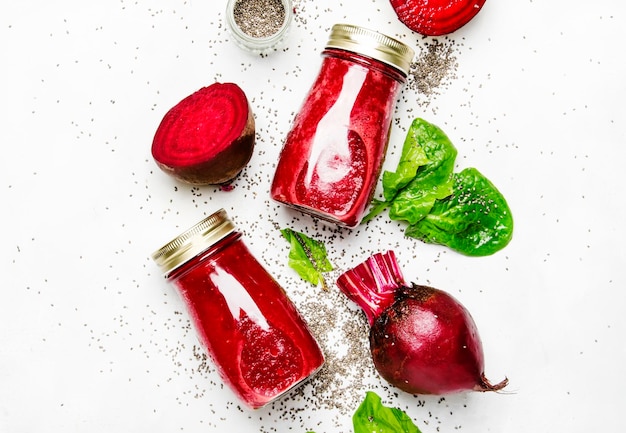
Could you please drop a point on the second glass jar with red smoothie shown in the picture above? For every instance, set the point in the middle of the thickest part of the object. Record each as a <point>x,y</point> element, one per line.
<point>248,326</point>
<point>333,154</point>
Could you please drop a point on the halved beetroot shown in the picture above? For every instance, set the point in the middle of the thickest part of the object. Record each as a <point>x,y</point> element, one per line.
<point>208,137</point>
<point>436,17</point>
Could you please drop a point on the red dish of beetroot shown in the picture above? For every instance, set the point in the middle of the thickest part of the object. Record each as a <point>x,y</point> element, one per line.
<point>436,17</point>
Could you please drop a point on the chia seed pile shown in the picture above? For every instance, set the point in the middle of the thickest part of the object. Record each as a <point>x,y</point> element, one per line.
<point>433,68</point>
<point>259,18</point>
<point>342,332</point>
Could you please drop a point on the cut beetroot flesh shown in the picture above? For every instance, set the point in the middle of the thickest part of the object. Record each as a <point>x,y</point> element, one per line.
<point>436,17</point>
<point>208,137</point>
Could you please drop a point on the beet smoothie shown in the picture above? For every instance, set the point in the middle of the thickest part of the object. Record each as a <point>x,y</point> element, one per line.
<point>332,156</point>
<point>250,329</point>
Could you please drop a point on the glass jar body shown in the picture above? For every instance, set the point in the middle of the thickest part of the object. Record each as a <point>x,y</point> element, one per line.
<point>332,156</point>
<point>248,326</point>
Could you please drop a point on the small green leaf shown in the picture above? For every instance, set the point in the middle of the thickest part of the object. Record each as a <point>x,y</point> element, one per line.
<point>372,416</point>
<point>307,257</point>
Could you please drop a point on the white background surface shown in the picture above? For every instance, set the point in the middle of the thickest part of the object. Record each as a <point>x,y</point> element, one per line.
<point>92,339</point>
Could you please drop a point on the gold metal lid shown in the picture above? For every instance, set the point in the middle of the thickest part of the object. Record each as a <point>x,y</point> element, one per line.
<point>193,241</point>
<point>372,44</point>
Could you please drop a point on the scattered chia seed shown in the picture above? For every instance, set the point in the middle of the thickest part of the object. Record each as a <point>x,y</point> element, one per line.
<point>342,331</point>
<point>435,65</point>
<point>259,18</point>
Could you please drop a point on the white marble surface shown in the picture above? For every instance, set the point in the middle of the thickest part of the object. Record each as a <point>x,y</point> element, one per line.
<point>92,339</point>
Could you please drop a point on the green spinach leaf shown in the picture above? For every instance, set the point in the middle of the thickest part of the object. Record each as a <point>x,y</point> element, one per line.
<point>423,175</point>
<point>463,211</point>
<point>475,220</point>
<point>307,257</point>
<point>372,416</point>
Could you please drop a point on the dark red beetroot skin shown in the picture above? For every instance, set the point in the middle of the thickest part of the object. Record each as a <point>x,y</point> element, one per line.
<point>208,137</point>
<point>427,343</point>
<point>422,340</point>
<point>436,17</point>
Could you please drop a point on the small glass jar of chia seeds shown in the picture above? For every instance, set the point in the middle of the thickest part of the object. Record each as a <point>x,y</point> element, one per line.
<point>259,26</point>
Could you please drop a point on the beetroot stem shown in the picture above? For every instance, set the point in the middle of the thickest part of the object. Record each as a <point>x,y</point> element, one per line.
<point>372,285</point>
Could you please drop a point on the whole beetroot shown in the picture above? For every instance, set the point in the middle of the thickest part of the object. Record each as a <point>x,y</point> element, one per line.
<point>422,340</point>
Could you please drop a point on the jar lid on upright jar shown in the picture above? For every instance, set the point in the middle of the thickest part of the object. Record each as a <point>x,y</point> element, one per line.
<point>372,44</point>
<point>193,241</point>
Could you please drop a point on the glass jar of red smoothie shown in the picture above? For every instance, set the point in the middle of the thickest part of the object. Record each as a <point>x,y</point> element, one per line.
<point>253,333</point>
<point>332,156</point>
